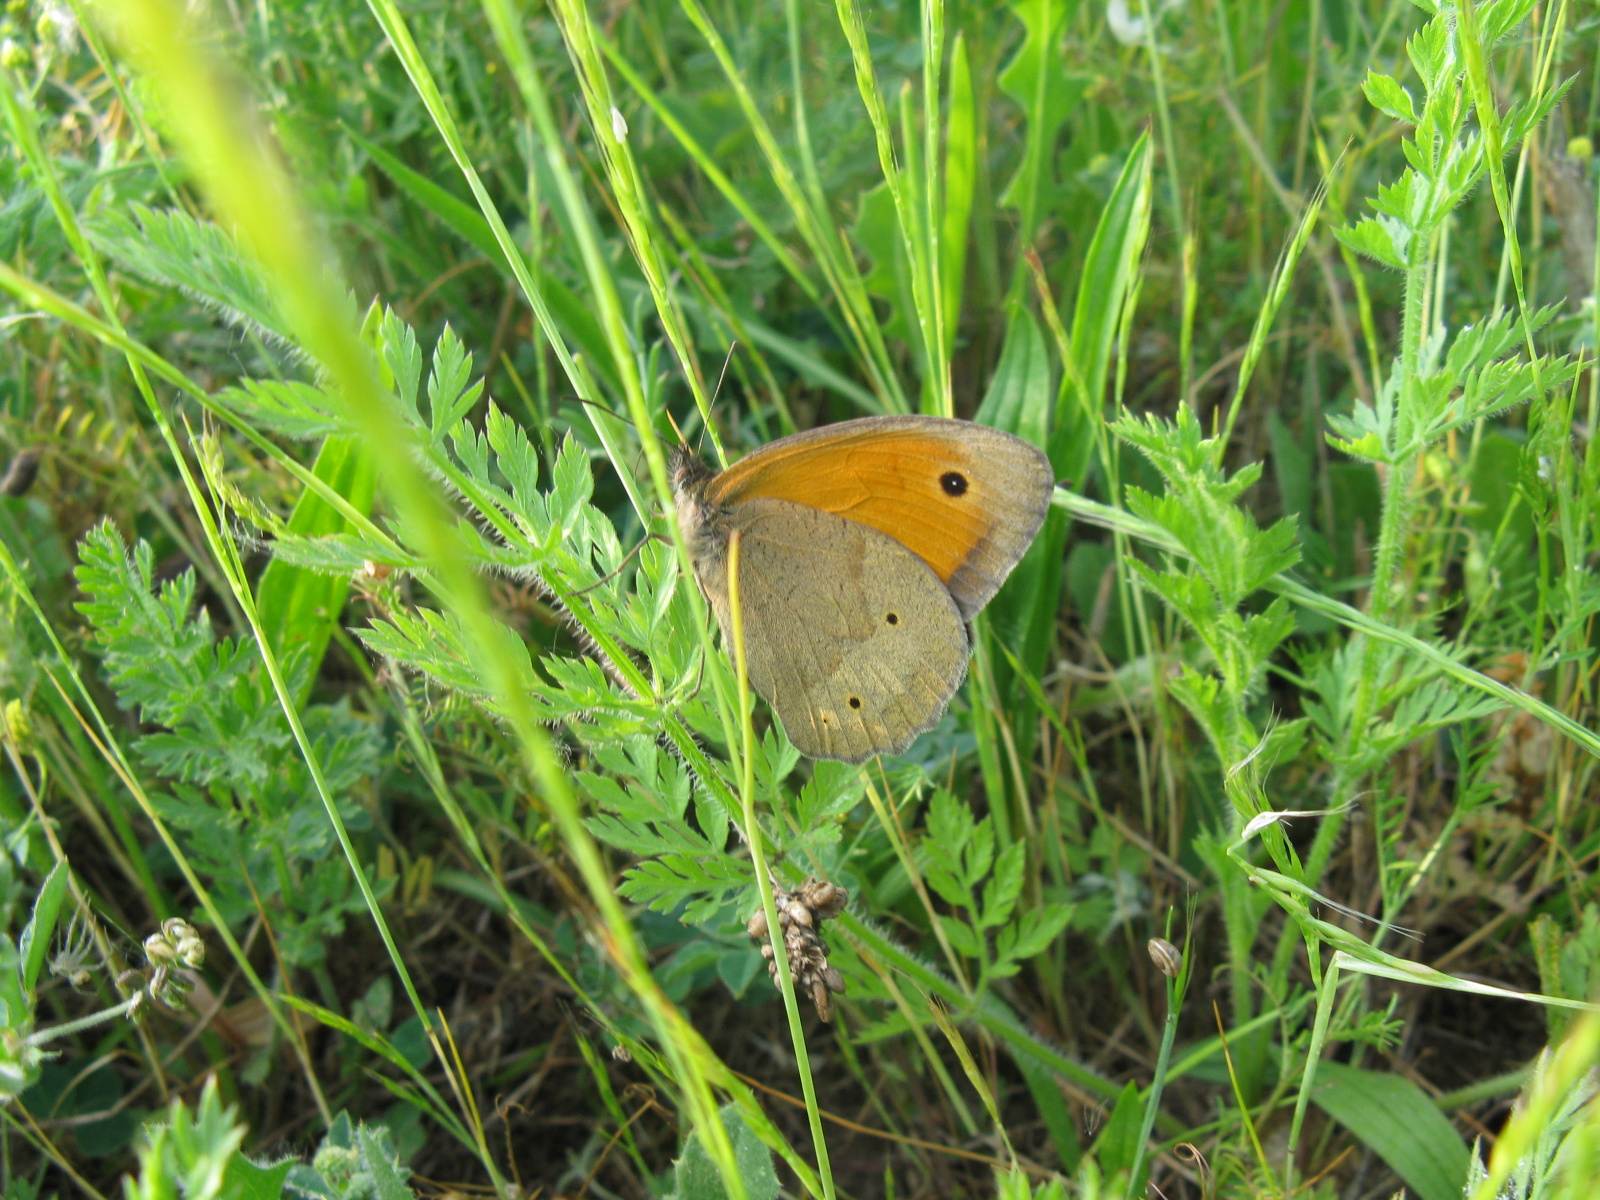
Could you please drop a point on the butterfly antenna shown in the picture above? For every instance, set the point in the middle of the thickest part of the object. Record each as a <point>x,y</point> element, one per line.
<point>732,346</point>
<point>617,570</point>
<point>715,392</point>
<point>609,412</point>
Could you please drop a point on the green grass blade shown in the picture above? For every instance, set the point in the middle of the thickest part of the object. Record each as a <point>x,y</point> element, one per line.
<point>960,185</point>
<point>1110,269</point>
<point>571,314</point>
<point>904,187</point>
<point>707,163</point>
<point>811,221</point>
<point>1077,426</point>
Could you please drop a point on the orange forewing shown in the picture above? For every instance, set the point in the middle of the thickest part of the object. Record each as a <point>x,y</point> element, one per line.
<point>889,479</point>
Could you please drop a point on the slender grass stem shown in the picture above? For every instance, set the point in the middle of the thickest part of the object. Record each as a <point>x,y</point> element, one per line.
<point>1149,19</point>
<point>1177,985</point>
<point>758,858</point>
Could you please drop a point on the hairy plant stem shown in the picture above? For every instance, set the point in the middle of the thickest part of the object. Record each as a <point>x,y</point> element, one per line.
<point>1392,530</point>
<point>1395,524</point>
<point>39,1037</point>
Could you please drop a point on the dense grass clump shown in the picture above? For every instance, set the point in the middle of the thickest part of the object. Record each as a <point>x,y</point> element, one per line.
<point>381,814</point>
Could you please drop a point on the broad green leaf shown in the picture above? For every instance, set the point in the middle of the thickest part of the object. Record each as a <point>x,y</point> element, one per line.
<point>697,1178</point>
<point>1109,272</point>
<point>1038,81</point>
<point>877,231</point>
<point>1053,1111</point>
<point>1021,391</point>
<point>300,607</point>
<point>1117,1145</point>
<point>1395,1117</point>
<point>1020,397</point>
<point>15,1010</point>
<point>249,1181</point>
<point>35,941</point>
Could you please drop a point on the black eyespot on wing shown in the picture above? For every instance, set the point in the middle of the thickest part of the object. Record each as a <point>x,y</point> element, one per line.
<point>892,619</point>
<point>954,483</point>
<point>855,701</point>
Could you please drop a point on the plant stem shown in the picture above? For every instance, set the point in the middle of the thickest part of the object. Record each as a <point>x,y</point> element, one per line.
<point>1393,527</point>
<point>758,857</point>
<point>39,1037</point>
<point>1152,1103</point>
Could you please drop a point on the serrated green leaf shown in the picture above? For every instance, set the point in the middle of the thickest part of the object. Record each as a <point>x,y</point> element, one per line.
<point>1004,886</point>
<point>172,248</point>
<point>1388,97</point>
<point>962,937</point>
<point>1038,928</point>
<point>1383,240</point>
<point>1367,446</point>
<point>387,1180</point>
<point>450,397</point>
<point>285,406</point>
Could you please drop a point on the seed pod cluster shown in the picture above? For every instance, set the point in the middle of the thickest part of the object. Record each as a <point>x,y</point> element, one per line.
<point>800,912</point>
<point>178,945</point>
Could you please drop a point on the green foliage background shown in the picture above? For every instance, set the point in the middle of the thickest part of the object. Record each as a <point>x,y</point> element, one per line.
<point>347,339</point>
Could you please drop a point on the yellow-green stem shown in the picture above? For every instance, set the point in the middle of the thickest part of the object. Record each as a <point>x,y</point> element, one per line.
<point>758,857</point>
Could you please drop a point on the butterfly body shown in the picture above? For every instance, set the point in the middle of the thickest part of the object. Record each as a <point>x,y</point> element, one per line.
<point>865,547</point>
